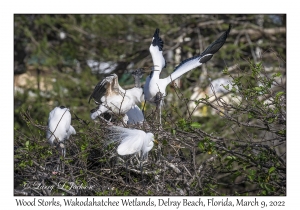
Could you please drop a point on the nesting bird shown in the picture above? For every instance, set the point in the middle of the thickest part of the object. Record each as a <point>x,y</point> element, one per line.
<point>59,127</point>
<point>132,141</point>
<point>111,97</point>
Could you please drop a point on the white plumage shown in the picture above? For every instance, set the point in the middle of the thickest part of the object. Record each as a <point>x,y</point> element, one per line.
<point>132,141</point>
<point>112,98</point>
<point>59,126</point>
<point>135,115</point>
<point>155,85</point>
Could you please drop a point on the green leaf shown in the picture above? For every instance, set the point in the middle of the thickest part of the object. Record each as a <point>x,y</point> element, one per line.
<point>250,115</point>
<point>258,89</point>
<point>277,75</point>
<point>201,145</point>
<point>226,87</point>
<point>225,71</point>
<point>272,169</point>
<point>233,89</point>
<point>229,157</point>
<point>279,94</point>
<point>196,125</point>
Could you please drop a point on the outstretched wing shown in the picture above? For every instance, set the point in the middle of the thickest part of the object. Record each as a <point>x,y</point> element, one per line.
<point>196,61</point>
<point>104,88</point>
<point>156,49</point>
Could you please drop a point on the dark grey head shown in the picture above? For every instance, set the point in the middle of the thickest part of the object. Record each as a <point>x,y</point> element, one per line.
<point>138,73</point>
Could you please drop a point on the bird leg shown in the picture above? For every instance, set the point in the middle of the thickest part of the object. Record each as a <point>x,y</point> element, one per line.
<point>143,109</point>
<point>158,101</point>
<point>141,169</point>
<point>128,172</point>
<point>127,178</point>
<point>63,151</point>
<point>61,164</point>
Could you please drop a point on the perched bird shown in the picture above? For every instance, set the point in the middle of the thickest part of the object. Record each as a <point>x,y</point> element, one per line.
<point>59,128</point>
<point>132,141</point>
<point>111,97</point>
<point>155,88</point>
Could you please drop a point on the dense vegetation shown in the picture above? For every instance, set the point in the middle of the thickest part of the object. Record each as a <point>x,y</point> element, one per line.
<point>229,142</point>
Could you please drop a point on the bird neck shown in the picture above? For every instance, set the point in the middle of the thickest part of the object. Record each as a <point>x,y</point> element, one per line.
<point>155,75</point>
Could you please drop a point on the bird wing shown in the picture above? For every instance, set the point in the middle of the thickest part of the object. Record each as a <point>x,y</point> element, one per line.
<point>131,139</point>
<point>156,49</point>
<point>71,131</point>
<point>108,85</point>
<point>196,61</point>
<point>135,115</point>
<point>130,145</point>
<point>59,123</point>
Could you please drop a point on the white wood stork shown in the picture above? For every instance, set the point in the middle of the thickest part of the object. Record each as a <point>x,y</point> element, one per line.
<point>155,85</point>
<point>59,126</point>
<point>112,98</point>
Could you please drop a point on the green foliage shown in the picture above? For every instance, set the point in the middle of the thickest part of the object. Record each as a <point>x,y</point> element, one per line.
<point>237,148</point>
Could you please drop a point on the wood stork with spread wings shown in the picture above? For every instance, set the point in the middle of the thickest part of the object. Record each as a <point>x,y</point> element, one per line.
<point>112,98</point>
<point>155,87</point>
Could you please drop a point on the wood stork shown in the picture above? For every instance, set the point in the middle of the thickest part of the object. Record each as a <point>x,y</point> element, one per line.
<point>155,87</point>
<point>59,126</point>
<point>111,97</point>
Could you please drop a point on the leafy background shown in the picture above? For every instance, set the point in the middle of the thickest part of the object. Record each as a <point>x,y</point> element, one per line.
<point>53,57</point>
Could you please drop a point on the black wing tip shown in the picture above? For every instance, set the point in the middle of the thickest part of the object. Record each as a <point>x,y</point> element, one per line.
<point>157,41</point>
<point>228,30</point>
<point>156,33</point>
<point>224,36</point>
